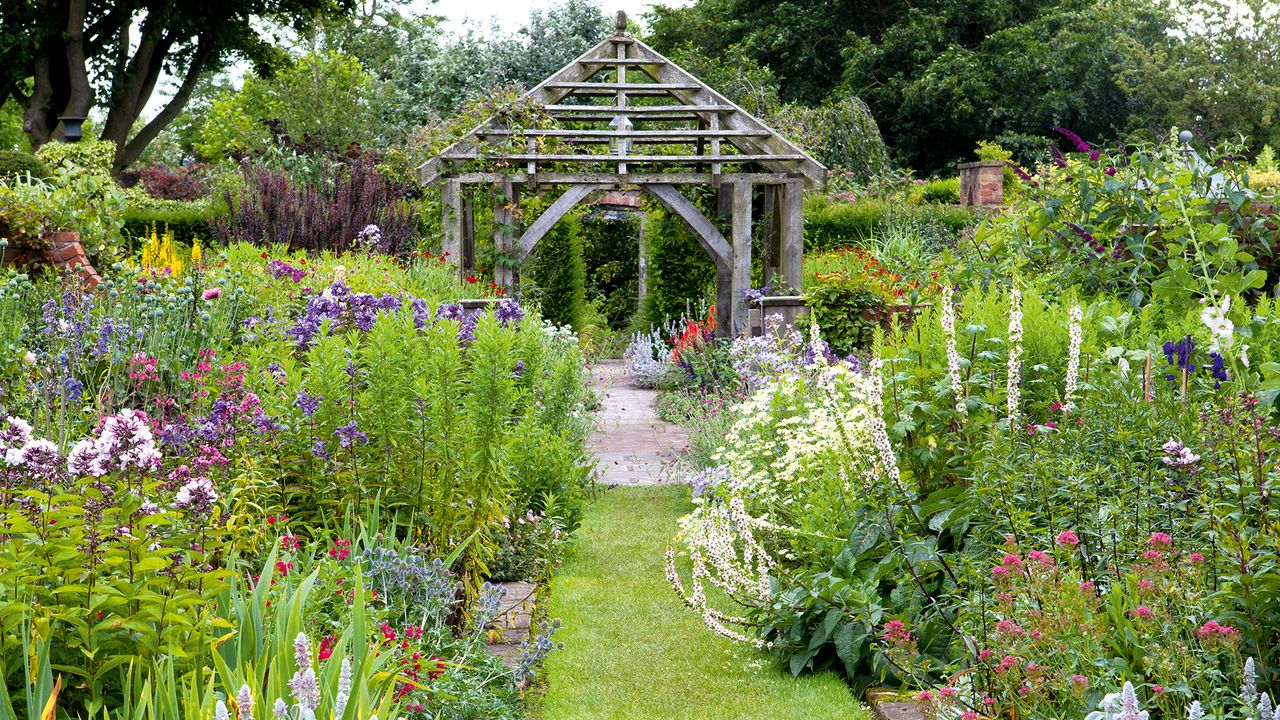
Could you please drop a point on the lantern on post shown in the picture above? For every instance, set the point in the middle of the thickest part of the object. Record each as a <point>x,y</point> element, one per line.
<point>72,127</point>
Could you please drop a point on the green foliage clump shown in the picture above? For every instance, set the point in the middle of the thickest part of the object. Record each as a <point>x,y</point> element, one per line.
<point>612,255</point>
<point>680,273</point>
<point>556,274</point>
<point>831,222</point>
<point>188,220</point>
<point>324,99</point>
<point>945,192</point>
<point>89,155</point>
<point>15,164</point>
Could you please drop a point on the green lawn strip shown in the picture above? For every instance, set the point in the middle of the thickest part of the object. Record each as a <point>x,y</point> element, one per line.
<point>633,651</point>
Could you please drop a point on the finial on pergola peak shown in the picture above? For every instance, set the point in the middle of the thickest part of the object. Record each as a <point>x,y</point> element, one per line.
<point>620,22</point>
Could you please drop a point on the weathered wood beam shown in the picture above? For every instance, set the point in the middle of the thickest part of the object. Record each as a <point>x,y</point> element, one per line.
<point>638,135</point>
<point>504,271</point>
<point>639,109</point>
<point>771,216</point>
<point>575,71</point>
<point>792,229</point>
<point>627,86</point>
<point>663,178</point>
<point>468,228</point>
<point>668,72</point>
<point>451,220</point>
<point>549,217</point>
<point>672,159</point>
<point>740,280</point>
<point>702,228</point>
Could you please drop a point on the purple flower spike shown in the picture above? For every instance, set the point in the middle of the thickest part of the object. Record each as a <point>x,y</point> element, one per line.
<point>1057,156</point>
<point>509,311</point>
<point>1079,144</point>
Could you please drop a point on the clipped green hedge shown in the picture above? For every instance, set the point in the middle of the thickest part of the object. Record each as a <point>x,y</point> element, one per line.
<point>555,274</point>
<point>832,223</point>
<point>187,221</point>
<point>18,164</point>
<point>680,274</point>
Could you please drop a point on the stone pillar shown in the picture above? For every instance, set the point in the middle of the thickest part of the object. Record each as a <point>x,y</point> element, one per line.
<point>982,183</point>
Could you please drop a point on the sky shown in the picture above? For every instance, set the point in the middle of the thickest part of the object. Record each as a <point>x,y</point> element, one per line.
<point>511,13</point>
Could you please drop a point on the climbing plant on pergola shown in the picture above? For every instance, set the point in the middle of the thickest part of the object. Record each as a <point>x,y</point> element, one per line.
<point>622,115</point>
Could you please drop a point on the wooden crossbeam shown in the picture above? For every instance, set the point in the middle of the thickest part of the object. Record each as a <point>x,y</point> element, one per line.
<point>703,229</point>
<point>627,86</point>
<point>672,159</point>
<point>549,217</point>
<point>608,178</point>
<point>637,109</point>
<point>638,135</point>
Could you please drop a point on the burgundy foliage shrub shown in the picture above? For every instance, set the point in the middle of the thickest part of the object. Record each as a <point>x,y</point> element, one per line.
<point>174,183</point>
<point>273,207</point>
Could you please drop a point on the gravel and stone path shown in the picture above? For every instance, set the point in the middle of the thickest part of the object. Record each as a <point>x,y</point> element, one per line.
<point>633,445</point>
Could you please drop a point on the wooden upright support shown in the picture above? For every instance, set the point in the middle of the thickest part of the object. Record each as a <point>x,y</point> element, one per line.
<point>740,280</point>
<point>504,221</point>
<point>792,212</point>
<point>770,206</point>
<point>468,229</point>
<point>451,220</point>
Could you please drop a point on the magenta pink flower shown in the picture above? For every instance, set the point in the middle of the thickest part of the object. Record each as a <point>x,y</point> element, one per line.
<point>1195,558</point>
<point>1160,539</point>
<point>1066,538</point>
<point>1142,611</point>
<point>212,293</point>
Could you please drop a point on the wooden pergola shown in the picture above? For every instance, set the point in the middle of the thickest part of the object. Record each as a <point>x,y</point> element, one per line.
<point>622,115</point>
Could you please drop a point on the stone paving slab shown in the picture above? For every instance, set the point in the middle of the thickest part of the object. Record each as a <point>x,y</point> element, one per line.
<point>634,446</point>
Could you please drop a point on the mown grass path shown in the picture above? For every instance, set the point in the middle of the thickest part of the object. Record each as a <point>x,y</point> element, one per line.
<point>634,652</point>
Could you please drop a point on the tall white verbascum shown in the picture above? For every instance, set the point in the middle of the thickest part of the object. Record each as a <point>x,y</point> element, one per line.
<point>953,357</point>
<point>1075,332</point>
<point>1013,384</point>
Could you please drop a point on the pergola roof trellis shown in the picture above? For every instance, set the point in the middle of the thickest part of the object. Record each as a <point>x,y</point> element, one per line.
<point>624,115</point>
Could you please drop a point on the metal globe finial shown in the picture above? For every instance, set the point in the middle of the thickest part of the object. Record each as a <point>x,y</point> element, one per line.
<point>620,21</point>
<point>1185,137</point>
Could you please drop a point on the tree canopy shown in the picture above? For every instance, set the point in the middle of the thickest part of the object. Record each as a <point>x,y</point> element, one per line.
<point>939,75</point>
<point>66,57</point>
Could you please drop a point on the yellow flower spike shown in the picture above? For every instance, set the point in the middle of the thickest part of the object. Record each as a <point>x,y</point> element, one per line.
<point>195,251</point>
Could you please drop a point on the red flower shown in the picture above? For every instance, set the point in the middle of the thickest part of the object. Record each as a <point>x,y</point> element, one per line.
<point>341,549</point>
<point>473,279</point>
<point>290,542</point>
<point>439,668</point>
<point>326,647</point>
<point>283,567</point>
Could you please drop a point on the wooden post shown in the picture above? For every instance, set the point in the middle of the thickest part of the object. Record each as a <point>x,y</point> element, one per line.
<point>741,278</point>
<point>504,273</point>
<point>643,269</point>
<point>724,298</point>
<point>451,221</point>
<point>771,214</point>
<point>468,257</point>
<point>792,231</point>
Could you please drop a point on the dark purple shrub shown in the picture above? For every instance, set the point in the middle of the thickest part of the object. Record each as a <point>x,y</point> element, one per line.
<point>174,183</point>
<point>273,207</point>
